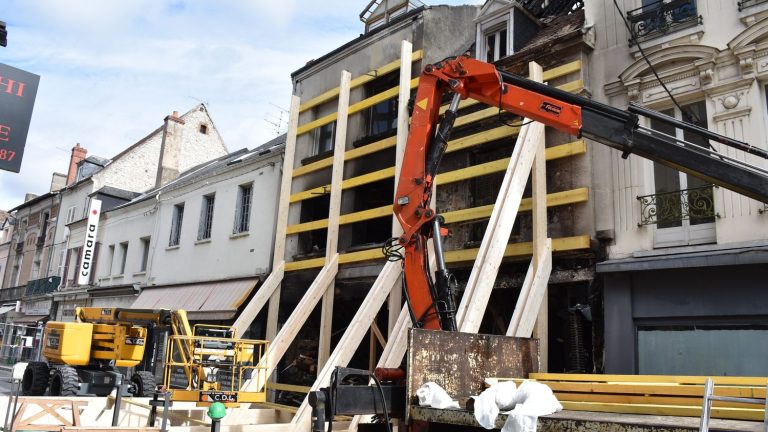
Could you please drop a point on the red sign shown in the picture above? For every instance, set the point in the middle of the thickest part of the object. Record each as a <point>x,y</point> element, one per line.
<point>18,90</point>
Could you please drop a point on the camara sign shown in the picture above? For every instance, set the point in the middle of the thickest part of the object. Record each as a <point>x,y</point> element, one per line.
<point>17,98</point>
<point>89,246</point>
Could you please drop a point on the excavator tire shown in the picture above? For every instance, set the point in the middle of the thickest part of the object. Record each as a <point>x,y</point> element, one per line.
<point>35,379</point>
<point>64,381</point>
<point>144,382</point>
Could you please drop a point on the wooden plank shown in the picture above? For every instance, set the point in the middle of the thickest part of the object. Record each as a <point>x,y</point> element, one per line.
<point>362,79</point>
<point>665,410</point>
<point>675,379</point>
<point>346,184</point>
<point>541,246</point>
<point>647,400</point>
<point>355,332</point>
<point>334,211</point>
<point>281,225</point>
<point>257,302</point>
<point>554,199</point>
<point>660,389</point>
<point>289,387</point>
<point>531,299</point>
<point>491,251</point>
<point>563,70</point>
<point>395,300</point>
<point>513,250</point>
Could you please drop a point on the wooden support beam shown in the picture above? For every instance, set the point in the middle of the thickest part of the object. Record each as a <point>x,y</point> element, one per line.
<point>649,388</point>
<point>667,379</point>
<point>491,252</point>
<point>352,337</point>
<point>665,410</point>
<point>334,211</point>
<point>280,343</point>
<point>395,300</point>
<point>257,302</point>
<point>531,297</point>
<point>542,249</point>
<point>271,287</point>
<point>362,79</point>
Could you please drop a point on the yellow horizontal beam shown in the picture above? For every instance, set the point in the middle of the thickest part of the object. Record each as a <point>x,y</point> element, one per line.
<point>669,379</point>
<point>647,399</point>
<point>665,410</point>
<point>515,249</point>
<point>573,86</point>
<point>563,70</point>
<point>552,153</point>
<point>289,387</point>
<point>357,82</point>
<point>667,389</point>
<point>553,199</point>
<point>390,142</point>
<point>354,108</point>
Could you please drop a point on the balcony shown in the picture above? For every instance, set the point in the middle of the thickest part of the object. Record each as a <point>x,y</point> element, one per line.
<point>667,209</point>
<point>15,293</point>
<point>660,18</point>
<point>743,4</point>
<point>42,286</point>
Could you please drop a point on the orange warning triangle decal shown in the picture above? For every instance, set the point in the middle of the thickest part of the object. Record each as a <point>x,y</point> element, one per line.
<point>422,104</point>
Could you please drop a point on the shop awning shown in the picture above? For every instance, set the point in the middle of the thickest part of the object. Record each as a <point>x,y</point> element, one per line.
<point>218,300</point>
<point>27,319</point>
<point>6,309</point>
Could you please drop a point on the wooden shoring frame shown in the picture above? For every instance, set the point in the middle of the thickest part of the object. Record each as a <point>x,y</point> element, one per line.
<point>527,156</point>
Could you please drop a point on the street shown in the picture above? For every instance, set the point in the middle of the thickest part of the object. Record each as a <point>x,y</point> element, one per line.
<point>5,381</point>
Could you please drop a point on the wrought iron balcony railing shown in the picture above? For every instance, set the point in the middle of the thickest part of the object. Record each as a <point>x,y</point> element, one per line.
<point>42,286</point>
<point>665,209</point>
<point>743,4</point>
<point>659,18</point>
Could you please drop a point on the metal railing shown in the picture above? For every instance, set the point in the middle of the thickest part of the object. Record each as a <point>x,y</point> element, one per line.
<point>660,18</point>
<point>696,205</point>
<point>743,4</point>
<point>42,286</point>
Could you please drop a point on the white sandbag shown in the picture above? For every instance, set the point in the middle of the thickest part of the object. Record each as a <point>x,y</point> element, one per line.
<point>506,395</point>
<point>486,409</point>
<point>432,395</point>
<point>532,400</point>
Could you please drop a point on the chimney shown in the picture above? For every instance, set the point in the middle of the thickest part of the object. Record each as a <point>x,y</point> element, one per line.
<point>58,181</point>
<point>170,150</point>
<point>78,154</point>
<point>29,196</point>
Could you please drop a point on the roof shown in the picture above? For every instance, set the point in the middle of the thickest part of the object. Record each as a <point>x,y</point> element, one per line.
<point>34,201</point>
<point>213,167</point>
<point>362,37</point>
<point>116,192</point>
<point>560,29</point>
<point>97,160</point>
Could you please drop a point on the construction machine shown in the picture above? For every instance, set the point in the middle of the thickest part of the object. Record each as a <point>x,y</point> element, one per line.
<point>431,301</point>
<point>203,363</point>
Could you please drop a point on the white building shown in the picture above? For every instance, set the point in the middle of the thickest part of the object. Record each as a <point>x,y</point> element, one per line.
<point>181,143</point>
<point>685,277</point>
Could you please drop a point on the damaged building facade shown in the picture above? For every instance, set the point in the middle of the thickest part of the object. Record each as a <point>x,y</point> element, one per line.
<point>685,276</point>
<point>508,33</point>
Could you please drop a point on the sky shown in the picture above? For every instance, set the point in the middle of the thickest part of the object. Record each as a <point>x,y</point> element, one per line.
<point>112,70</point>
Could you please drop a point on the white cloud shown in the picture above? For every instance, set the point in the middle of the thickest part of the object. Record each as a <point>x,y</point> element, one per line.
<point>112,70</point>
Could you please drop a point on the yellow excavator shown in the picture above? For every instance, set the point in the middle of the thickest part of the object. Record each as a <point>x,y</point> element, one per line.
<point>203,364</point>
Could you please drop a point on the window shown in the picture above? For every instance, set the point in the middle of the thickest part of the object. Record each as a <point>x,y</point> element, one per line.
<point>111,259</point>
<point>123,256</point>
<point>324,138</point>
<point>144,253</point>
<point>243,210</point>
<point>44,222</point>
<point>178,216</point>
<point>382,117</point>
<point>204,129</point>
<point>684,204</point>
<point>496,43</point>
<point>206,218</point>
<point>71,214</point>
